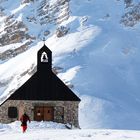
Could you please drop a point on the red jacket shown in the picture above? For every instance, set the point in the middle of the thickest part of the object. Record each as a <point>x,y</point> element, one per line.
<point>24,118</point>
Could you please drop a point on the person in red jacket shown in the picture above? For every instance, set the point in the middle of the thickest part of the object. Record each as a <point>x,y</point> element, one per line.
<point>24,118</point>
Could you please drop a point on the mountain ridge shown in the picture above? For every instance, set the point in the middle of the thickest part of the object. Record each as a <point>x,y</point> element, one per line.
<point>95,44</point>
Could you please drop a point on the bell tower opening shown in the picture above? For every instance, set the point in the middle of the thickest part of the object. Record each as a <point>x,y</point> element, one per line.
<point>44,59</point>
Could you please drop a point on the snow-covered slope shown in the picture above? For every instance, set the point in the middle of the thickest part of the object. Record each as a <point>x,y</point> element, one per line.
<point>95,42</point>
<point>54,131</point>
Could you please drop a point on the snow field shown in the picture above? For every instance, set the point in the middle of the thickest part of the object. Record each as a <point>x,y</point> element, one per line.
<point>55,131</point>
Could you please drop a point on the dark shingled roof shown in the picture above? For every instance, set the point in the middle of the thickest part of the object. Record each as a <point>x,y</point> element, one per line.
<point>44,84</point>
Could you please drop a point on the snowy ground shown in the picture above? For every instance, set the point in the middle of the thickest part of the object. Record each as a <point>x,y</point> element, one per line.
<point>54,131</point>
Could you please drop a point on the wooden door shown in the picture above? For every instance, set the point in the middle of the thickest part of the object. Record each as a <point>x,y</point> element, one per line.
<point>43,113</point>
<point>39,114</point>
<point>48,114</point>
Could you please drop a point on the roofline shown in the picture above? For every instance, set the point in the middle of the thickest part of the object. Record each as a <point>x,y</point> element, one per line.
<point>39,100</point>
<point>4,101</point>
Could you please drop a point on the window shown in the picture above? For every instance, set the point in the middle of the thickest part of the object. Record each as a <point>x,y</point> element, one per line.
<point>12,112</point>
<point>44,57</point>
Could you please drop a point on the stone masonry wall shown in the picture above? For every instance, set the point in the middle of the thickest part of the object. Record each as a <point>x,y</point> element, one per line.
<point>64,111</point>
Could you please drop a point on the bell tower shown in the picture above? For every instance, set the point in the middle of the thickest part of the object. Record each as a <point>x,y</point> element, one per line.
<point>44,59</point>
<point>44,70</point>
